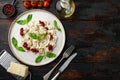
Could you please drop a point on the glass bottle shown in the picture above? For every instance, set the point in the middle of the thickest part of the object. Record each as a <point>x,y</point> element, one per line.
<point>65,8</point>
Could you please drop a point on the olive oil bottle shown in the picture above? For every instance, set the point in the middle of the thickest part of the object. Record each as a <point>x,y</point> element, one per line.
<point>65,8</point>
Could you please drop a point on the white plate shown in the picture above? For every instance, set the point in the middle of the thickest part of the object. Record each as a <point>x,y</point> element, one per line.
<point>29,57</point>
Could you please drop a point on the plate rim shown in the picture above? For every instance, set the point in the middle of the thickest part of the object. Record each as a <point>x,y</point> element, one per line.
<point>11,26</point>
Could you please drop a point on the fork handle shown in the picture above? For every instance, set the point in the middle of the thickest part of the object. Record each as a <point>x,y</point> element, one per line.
<point>46,76</point>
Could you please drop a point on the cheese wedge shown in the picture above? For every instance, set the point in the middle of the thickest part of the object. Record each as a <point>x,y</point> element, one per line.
<point>18,69</point>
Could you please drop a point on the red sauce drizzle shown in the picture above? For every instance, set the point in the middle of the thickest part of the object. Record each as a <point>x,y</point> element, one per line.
<point>50,47</point>
<point>21,31</point>
<point>34,50</point>
<point>42,23</point>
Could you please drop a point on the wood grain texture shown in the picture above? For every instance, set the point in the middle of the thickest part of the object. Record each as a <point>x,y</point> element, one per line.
<point>95,31</point>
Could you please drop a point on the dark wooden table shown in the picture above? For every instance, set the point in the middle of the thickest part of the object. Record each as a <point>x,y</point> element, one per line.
<point>95,31</point>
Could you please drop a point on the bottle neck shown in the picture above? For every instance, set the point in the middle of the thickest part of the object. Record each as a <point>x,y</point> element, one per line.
<point>65,0</point>
<point>65,4</point>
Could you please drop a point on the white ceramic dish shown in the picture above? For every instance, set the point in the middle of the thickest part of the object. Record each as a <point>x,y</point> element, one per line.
<point>29,57</point>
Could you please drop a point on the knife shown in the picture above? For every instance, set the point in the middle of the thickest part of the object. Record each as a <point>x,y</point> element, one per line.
<point>64,66</point>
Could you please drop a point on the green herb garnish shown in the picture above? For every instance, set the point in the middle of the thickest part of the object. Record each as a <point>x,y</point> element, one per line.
<point>29,17</point>
<point>15,44</point>
<point>56,25</point>
<point>22,22</point>
<point>20,49</point>
<point>48,54</point>
<point>33,35</point>
<point>41,36</point>
<point>39,59</point>
<point>25,21</point>
<point>38,37</point>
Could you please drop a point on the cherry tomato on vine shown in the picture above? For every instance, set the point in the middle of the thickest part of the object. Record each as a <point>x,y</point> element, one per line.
<point>46,4</point>
<point>34,3</point>
<point>40,4</point>
<point>27,4</point>
<point>48,0</point>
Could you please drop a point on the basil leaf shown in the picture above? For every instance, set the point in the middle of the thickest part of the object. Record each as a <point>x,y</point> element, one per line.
<point>25,21</point>
<point>33,35</point>
<point>56,25</point>
<point>41,36</point>
<point>39,58</point>
<point>14,42</point>
<point>29,17</point>
<point>22,22</point>
<point>50,55</point>
<point>20,49</point>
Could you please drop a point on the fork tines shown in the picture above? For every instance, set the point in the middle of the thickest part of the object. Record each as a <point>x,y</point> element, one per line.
<point>70,49</point>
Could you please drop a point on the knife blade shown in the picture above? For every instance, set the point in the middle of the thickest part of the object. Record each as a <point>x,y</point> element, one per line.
<point>64,66</point>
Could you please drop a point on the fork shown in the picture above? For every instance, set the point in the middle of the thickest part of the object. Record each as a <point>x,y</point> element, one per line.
<point>65,55</point>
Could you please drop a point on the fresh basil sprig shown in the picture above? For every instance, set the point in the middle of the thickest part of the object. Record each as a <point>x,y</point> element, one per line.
<point>20,49</point>
<point>29,17</point>
<point>33,35</point>
<point>15,44</point>
<point>22,22</point>
<point>38,37</point>
<point>39,58</point>
<point>25,21</point>
<point>56,25</point>
<point>41,36</point>
<point>48,54</point>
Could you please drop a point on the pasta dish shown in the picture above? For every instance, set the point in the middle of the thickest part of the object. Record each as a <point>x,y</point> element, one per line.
<point>38,37</point>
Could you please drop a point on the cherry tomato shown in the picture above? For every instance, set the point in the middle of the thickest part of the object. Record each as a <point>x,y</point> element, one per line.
<point>27,4</point>
<point>40,4</point>
<point>34,3</point>
<point>46,4</point>
<point>48,0</point>
<point>50,47</point>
